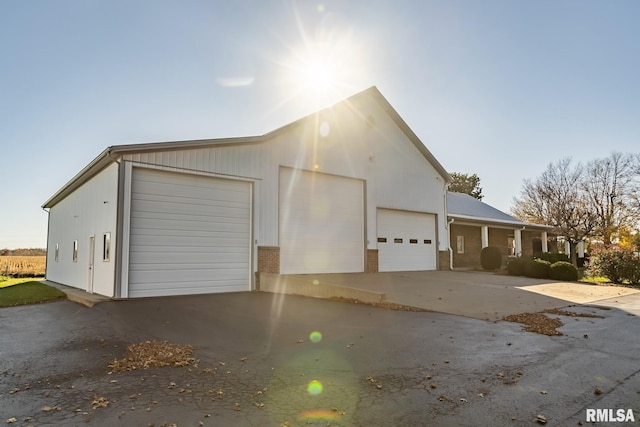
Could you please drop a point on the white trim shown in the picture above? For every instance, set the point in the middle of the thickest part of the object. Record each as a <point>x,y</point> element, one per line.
<point>126,229</point>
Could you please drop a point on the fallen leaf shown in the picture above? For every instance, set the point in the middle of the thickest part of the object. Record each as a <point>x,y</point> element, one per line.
<point>544,392</point>
<point>434,385</point>
<point>598,390</point>
<point>462,399</point>
<point>12,420</point>
<point>541,419</point>
<point>379,386</point>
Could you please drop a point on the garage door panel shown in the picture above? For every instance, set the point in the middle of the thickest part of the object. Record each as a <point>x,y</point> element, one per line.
<point>189,234</point>
<point>187,288</point>
<point>321,223</point>
<point>399,229</point>
<point>196,257</point>
<point>185,208</point>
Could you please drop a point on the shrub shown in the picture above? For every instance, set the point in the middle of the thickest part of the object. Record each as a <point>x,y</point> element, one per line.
<point>617,265</point>
<point>552,257</point>
<point>563,270</point>
<point>516,266</point>
<point>537,268</point>
<point>490,258</point>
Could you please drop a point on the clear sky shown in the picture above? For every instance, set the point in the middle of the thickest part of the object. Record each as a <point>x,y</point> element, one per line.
<point>499,88</point>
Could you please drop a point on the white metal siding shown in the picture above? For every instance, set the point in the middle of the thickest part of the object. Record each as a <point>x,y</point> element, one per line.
<point>406,241</point>
<point>363,142</point>
<point>90,210</point>
<point>321,223</point>
<point>189,234</point>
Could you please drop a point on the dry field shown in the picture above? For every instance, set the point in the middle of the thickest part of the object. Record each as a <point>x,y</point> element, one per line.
<point>22,266</point>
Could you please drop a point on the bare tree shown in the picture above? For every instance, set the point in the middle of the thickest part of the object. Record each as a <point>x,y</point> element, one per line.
<point>557,198</point>
<point>611,185</point>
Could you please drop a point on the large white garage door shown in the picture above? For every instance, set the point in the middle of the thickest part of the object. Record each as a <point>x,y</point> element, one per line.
<point>406,241</point>
<point>189,234</point>
<point>321,223</point>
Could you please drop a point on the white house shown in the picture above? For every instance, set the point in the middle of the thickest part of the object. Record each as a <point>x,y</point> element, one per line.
<point>348,189</point>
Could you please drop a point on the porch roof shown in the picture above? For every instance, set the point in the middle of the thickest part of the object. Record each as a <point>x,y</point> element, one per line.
<point>465,208</point>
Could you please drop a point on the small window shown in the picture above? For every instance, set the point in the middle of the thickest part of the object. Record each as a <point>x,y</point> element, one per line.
<point>382,240</point>
<point>397,240</point>
<point>57,252</point>
<point>413,241</point>
<point>427,241</point>
<point>106,246</point>
<point>75,251</point>
<point>460,244</point>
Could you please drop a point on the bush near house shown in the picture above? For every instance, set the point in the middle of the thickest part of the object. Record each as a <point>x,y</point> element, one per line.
<point>491,258</point>
<point>516,266</point>
<point>563,270</point>
<point>537,268</point>
<point>620,266</point>
<point>552,257</point>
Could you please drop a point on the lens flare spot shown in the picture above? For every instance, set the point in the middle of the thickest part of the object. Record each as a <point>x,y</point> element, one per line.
<point>314,388</point>
<point>316,282</point>
<point>315,337</point>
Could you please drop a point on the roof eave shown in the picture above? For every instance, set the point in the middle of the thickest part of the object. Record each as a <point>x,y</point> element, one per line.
<point>99,163</point>
<point>410,134</point>
<point>495,221</point>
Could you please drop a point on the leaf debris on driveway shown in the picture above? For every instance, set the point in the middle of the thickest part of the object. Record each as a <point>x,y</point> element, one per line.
<point>537,322</point>
<point>154,354</point>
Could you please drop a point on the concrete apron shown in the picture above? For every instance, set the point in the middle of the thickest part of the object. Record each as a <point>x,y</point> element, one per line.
<point>478,295</point>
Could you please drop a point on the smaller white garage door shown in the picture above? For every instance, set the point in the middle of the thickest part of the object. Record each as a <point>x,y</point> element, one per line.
<point>189,234</point>
<point>406,240</point>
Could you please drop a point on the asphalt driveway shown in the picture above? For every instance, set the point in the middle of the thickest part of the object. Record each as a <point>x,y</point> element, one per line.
<point>376,367</point>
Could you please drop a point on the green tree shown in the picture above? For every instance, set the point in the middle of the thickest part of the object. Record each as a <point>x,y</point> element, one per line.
<point>467,184</point>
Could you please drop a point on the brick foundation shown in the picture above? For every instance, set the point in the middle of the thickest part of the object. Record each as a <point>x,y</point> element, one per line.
<point>268,259</point>
<point>443,261</point>
<point>372,261</point>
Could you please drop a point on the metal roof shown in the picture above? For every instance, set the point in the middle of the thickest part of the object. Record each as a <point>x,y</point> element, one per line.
<point>464,207</point>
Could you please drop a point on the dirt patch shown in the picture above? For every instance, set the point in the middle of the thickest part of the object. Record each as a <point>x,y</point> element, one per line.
<point>151,354</point>
<point>385,305</point>
<point>537,322</point>
<point>571,313</point>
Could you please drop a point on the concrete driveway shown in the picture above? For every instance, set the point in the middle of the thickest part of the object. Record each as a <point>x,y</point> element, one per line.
<point>376,367</point>
<point>480,295</point>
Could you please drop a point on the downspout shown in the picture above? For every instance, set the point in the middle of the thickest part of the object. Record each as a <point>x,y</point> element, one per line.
<point>446,213</point>
<point>449,245</point>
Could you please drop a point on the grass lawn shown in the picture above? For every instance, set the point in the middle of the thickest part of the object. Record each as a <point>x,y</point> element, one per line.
<point>30,292</point>
<point>10,281</point>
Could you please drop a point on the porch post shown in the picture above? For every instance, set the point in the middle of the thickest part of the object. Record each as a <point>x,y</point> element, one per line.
<point>517,237</point>
<point>484,236</point>
<point>567,248</point>
<point>543,239</point>
<point>580,249</point>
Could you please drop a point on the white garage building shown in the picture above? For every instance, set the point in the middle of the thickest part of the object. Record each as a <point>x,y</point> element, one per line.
<point>348,189</point>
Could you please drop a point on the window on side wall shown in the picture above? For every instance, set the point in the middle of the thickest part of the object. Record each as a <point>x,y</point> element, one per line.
<point>75,251</point>
<point>460,244</point>
<point>57,253</point>
<point>106,246</point>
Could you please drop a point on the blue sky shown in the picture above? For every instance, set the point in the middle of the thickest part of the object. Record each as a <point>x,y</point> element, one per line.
<point>499,88</point>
